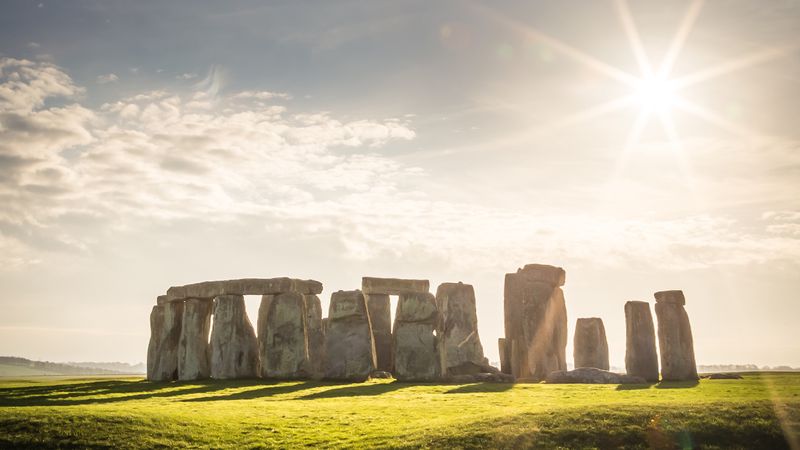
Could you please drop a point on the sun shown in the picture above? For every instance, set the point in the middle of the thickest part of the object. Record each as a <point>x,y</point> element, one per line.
<point>655,94</point>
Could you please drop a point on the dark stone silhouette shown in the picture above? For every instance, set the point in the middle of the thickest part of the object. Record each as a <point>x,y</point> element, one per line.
<point>316,337</point>
<point>380,316</point>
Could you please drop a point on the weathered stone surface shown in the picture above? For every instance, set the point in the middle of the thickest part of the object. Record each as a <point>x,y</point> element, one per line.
<point>380,316</point>
<point>244,286</point>
<point>535,322</point>
<point>393,286</point>
<point>552,275</point>
<point>641,358</point>
<point>456,304</point>
<point>417,350</point>
<point>505,357</point>
<point>161,299</point>
<point>165,335</point>
<point>283,337</point>
<point>592,375</point>
<point>349,344</point>
<point>590,344</point>
<point>194,352</point>
<point>316,337</point>
<point>675,342</point>
<point>234,347</point>
<point>674,297</point>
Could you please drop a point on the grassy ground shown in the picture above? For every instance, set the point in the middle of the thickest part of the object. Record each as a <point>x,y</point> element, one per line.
<point>761,411</point>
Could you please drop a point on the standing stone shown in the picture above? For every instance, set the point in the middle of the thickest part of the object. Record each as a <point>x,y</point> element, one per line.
<point>505,355</point>
<point>194,351</point>
<point>675,337</point>
<point>349,344</point>
<point>316,336</point>
<point>590,344</point>
<point>462,345</point>
<point>535,321</point>
<point>234,347</point>
<point>165,335</point>
<point>283,338</point>
<point>416,348</point>
<point>380,316</point>
<point>640,349</point>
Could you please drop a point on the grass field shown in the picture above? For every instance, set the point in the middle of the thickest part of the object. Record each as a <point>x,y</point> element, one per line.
<point>760,411</point>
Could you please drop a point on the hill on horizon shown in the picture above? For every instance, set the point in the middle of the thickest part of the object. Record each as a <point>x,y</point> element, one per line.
<point>12,366</point>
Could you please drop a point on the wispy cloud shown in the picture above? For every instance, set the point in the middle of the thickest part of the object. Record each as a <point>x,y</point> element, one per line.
<point>107,78</point>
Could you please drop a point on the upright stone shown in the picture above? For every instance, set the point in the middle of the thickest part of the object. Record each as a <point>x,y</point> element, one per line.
<point>590,344</point>
<point>194,351</point>
<point>416,348</point>
<point>234,347</point>
<point>380,316</point>
<point>535,321</point>
<point>675,337</point>
<point>165,335</point>
<point>505,355</point>
<point>462,345</point>
<point>283,337</point>
<point>640,348</point>
<point>349,344</point>
<point>316,336</point>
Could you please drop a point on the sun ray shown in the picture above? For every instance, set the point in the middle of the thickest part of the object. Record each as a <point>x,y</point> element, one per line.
<point>740,63</point>
<point>692,12</point>
<point>557,45</point>
<point>676,145</point>
<point>634,39</point>
<point>709,116</point>
<point>631,141</point>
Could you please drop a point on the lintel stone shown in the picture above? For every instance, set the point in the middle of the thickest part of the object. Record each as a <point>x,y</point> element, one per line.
<point>393,286</point>
<point>244,286</point>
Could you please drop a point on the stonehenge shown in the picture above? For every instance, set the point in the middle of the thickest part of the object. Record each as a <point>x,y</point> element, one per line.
<point>349,343</point>
<point>194,352</point>
<point>641,358</point>
<point>675,342</point>
<point>590,344</point>
<point>202,330</point>
<point>535,321</point>
<point>234,348</point>
<point>416,343</point>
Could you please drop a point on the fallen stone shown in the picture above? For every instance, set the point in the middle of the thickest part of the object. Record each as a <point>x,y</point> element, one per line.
<point>590,344</point>
<point>471,368</point>
<point>393,286</point>
<point>591,375</point>
<point>349,345</point>
<point>380,316</point>
<point>165,335</point>
<point>194,352</point>
<point>234,347</point>
<point>244,286</point>
<point>283,337</point>
<point>456,304</point>
<point>535,322</point>
<point>316,337</point>
<point>380,374</point>
<point>675,342</point>
<point>674,297</point>
<point>641,358</point>
<point>416,348</point>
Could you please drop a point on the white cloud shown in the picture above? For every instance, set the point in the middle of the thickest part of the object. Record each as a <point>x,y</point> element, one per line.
<point>186,76</point>
<point>107,78</point>
<point>261,95</point>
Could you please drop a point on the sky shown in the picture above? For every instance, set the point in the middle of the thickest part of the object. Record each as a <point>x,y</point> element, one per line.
<point>642,146</point>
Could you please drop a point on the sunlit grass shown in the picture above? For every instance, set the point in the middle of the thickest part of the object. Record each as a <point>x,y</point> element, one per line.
<point>129,412</point>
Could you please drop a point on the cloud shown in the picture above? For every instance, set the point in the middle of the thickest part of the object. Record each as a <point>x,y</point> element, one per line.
<point>70,174</point>
<point>107,78</point>
<point>186,76</point>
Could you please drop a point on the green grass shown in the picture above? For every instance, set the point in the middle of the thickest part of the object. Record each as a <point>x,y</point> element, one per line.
<point>760,411</point>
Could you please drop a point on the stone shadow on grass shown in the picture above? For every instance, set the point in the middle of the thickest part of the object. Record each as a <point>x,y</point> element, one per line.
<point>358,390</point>
<point>268,390</point>
<point>481,387</point>
<point>100,392</point>
<point>677,384</point>
<point>633,387</point>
